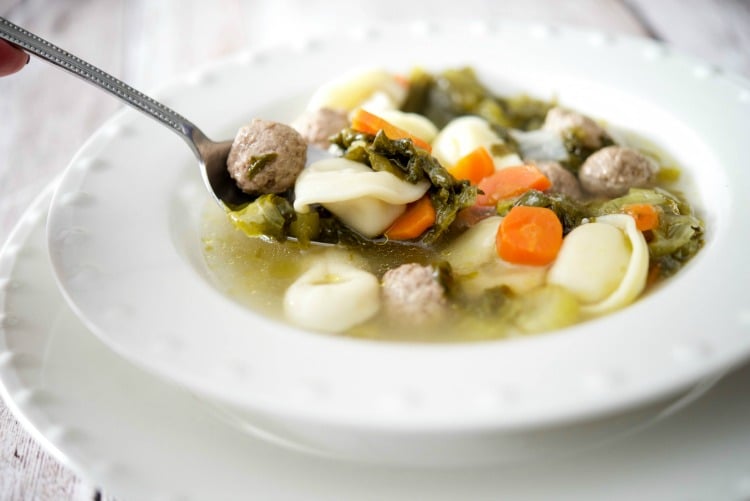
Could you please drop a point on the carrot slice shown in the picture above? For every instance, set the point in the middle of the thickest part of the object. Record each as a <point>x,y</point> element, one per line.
<point>646,216</point>
<point>529,235</point>
<point>511,182</point>
<point>364,121</point>
<point>473,167</point>
<point>419,216</point>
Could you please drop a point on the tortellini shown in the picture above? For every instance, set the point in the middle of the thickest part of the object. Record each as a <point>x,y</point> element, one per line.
<point>412,123</point>
<point>352,90</point>
<point>497,272</point>
<point>604,264</point>
<point>332,296</point>
<point>365,200</point>
<point>473,257</point>
<point>465,134</point>
<point>474,247</point>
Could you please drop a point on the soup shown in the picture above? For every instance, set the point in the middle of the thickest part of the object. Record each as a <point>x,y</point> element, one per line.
<point>445,213</point>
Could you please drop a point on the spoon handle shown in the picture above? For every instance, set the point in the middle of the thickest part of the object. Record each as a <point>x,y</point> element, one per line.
<point>93,75</point>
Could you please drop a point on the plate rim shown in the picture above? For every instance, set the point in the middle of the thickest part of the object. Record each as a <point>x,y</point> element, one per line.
<point>112,478</point>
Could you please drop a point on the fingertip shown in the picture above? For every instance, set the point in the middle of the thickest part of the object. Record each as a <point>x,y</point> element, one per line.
<point>12,58</point>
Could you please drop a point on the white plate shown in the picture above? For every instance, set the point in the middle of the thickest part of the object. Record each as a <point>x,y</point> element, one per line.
<point>141,438</point>
<point>124,247</point>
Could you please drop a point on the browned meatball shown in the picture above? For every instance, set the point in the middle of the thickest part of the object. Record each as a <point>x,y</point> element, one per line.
<point>317,126</point>
<point>588,132</point>
<point>613,170</point>
<point>411,293</point>
<point>266,157</point>
<point>563,181</point>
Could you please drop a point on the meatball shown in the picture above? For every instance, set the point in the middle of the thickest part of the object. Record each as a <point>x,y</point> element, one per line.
<point>266,157</point>
<point>588,132</point>
<point>317,126</point>
<point>613,170</point>
<point>411,293</point>
<point>563,181</point>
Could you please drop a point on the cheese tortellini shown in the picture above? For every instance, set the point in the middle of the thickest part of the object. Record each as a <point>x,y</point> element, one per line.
<point>332,296</point>
<point>363,199</point>
<point>473,256</point>
<point>476,246</point>
<point>604,263</point>
<point>465,134</point>
<point>373,88</point>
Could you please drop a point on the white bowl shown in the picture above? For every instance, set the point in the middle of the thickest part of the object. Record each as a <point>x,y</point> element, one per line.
<point>125,247</point>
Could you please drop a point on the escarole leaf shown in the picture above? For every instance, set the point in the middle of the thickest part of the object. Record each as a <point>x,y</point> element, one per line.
<point>401,158</point>
<point>452,93</point>
<point>655,196</point>
<point>265,217</point>
<point>677,238</point>
<point>273,218</point>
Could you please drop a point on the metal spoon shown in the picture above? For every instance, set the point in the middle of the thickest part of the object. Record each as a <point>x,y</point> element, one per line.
<point>211,155</point>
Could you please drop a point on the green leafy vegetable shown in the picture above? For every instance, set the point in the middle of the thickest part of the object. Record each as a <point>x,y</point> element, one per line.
<point>256,163</point>
<point>266,217</point>
<point>305,227</point>
<point>679,235</point>
<point>457,92</point>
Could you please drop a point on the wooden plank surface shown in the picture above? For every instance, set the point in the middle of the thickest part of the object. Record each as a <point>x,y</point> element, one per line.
<point>45,115</point>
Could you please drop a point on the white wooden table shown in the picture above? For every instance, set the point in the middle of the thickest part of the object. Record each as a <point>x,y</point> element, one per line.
<point>46,115</point>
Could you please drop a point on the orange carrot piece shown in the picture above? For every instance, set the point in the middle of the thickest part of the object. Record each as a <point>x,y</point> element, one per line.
<point>364,121</point>
<point>511,182</point>
<point>473,167</point>
<point>529,235</point>
<point>646,216</point>
<point>419,216</point>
